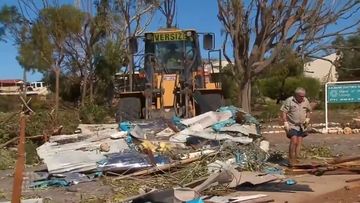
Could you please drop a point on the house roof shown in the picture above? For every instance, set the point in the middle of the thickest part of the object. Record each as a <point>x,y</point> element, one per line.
<point>11,81</point>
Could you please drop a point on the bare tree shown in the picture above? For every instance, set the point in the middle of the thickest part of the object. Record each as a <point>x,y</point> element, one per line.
<point>135,16</point>
<point>259,29</point>
<point>81,47</point>
<point>168,9</point>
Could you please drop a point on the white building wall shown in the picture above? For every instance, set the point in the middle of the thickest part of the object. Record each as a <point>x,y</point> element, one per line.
<point>321,69</point>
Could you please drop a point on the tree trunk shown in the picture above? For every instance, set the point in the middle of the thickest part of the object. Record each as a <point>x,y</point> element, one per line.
<point>57,90</point>
<point>24,85</point>
<point>131,71</point>
<point>83,91</point>
<point>91,89</point>
<point>245,91</point>
<point>169,21</point>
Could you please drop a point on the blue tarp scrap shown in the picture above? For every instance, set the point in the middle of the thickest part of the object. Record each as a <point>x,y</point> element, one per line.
<point>219,125</point>
<point>177,122</point>
<point>125,126</point>
<point>67,180</point>
<point>232,109</point>
<point>198,200</point>
<point>249,119</point>
<point>57,182</point>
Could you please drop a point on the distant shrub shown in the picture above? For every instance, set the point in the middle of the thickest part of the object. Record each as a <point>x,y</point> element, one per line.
<point>31,154</point>
<point>93,113</point>
<point>9,103</point>
<point>271,87</point>
<point>7,159</point>
<point>270,111</point>
<point>230,88</point>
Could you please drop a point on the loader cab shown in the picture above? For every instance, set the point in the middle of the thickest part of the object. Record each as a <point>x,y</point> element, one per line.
<point>171,51</point>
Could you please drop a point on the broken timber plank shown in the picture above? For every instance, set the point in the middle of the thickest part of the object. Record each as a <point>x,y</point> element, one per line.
<point>346,159</point>
<point>259,200</point>
<point>352,180</point>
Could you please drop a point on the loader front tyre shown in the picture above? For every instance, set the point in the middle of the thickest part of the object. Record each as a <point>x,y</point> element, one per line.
<point>129,109</point>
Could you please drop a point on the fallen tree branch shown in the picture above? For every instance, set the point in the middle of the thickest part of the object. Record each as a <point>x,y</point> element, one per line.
<point>16,138</point>
<point>163,167</point>
<point>26,104</point>
<point>8,142</point>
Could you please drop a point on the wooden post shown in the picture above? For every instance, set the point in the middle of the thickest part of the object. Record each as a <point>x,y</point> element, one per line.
<point>20,163</point>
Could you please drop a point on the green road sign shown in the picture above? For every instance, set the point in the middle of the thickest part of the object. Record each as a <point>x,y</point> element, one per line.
<point>343,93</point>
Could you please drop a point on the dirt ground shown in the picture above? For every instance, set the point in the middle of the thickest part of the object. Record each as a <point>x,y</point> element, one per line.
<point>340,145</point>
<point>309,188</point>
<point>346,194</point>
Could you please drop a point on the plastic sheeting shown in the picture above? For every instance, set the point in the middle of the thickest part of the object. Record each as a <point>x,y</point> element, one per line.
<point>77,156</point>
<point>207,119</point>
<point>129,161</point>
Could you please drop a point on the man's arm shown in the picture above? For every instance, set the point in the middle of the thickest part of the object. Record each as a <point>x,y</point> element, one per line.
<point>309,109</point>
<point>284,116</point>
<point>284,110</point>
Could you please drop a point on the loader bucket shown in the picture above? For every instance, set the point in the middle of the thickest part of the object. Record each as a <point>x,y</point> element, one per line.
<point>130,106</point>
<point>208,100</point>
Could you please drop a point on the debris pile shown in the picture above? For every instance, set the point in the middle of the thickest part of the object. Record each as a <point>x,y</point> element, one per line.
<point>198,159</point>
<point>213,146</point>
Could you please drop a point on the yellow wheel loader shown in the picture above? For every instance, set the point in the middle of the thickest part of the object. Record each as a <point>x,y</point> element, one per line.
<point>173,78</point>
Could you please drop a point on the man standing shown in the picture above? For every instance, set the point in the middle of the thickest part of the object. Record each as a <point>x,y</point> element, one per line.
<point>296,117</point>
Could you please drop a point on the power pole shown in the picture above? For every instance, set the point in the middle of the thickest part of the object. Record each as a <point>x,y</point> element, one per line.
<point>20,163</point>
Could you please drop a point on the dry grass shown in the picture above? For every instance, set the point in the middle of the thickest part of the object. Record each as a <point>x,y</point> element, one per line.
<point>182,175</point>
<point>315,151</point>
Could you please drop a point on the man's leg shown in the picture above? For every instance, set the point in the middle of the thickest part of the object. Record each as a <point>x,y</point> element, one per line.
<point>298,147</point>
<point>292,149</point>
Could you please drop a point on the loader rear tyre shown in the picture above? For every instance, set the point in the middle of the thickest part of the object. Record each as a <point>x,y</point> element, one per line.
<point>129,109</point>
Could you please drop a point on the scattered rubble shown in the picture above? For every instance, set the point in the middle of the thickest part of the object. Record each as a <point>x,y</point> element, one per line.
<point>176,160</point>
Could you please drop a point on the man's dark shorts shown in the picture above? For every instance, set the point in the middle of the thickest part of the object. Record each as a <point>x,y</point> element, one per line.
<point>297,133</point>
